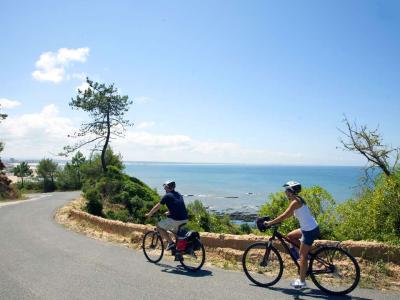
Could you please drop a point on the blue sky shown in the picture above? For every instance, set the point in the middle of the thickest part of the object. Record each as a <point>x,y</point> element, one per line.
<point>212,81</point>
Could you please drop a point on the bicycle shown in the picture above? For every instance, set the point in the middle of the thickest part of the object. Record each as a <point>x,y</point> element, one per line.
<point>331,268</point>
<point>189,250</point>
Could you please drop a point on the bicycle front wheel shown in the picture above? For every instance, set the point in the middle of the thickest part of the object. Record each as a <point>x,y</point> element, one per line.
<point>193,258</point>
<point>334,271</point>
<point>263,265</point>
<point>152,246</point>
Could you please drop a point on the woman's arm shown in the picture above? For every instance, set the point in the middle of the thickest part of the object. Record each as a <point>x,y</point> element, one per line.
<point>288,213</point>
<point>153,210</point>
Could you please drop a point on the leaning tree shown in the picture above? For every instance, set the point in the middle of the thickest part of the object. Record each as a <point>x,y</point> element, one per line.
<point>369,143</point>
<point>107,110</point>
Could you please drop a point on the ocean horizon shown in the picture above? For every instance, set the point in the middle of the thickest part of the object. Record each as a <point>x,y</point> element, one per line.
<point>243,187</point>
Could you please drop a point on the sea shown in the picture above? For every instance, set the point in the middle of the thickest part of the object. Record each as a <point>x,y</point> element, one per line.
<point>243,188</point>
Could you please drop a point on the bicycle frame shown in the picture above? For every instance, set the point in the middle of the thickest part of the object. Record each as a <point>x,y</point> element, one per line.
<point>284,242</point>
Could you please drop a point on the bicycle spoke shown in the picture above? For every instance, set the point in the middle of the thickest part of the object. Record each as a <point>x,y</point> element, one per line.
<point>335,271</point>
<point>152,246</point>
<point>262,265</point>
<point>192,258</point>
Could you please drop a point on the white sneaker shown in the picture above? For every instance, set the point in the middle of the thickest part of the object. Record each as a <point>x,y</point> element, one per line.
<point>298,284</point>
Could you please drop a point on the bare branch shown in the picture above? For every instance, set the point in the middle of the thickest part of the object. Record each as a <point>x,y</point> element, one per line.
<point>369,144</point>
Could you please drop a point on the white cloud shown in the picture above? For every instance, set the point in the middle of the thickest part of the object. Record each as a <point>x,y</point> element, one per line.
<point>51,66</point>
<point>141,145</point>
<point>8,104</point>
<point>143,125</point>
<point>35,135</point>
<point>42,134</point>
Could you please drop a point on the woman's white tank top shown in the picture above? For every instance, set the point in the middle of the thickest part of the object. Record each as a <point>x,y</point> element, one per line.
<point>306,219</point>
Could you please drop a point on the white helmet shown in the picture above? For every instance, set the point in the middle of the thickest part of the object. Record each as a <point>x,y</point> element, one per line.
<point>170,183</point>
<point>293,186</point>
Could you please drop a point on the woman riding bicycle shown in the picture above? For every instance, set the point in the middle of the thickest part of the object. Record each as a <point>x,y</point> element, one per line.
<point>306,234</point>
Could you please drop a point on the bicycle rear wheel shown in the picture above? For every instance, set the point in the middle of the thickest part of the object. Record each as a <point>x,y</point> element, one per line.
<point>263,265</point>
<point>193,259</point>
<point>334,270</point>
<point>152,246</point>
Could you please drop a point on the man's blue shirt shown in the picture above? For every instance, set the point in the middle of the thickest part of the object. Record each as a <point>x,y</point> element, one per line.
<point>176,206</point>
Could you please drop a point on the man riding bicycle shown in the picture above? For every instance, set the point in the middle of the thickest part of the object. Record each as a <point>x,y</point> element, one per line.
<point>306,234</point>
<point>176,215</point>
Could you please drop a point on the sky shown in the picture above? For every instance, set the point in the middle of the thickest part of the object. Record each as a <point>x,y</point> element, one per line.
<point>253,82</point>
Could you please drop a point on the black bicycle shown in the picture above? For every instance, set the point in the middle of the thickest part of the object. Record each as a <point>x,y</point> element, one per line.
<point>331,268</point>
<point>189,250</point>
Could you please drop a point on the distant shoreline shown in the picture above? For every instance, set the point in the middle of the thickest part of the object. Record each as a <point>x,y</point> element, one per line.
<point>63,161</point>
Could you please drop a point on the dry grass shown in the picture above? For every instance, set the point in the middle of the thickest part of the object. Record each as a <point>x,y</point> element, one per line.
<point>376,275</point>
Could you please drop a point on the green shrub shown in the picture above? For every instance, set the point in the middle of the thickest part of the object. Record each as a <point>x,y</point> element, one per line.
<point>245,228</point>
<point>49,186</point>
<point>374,214</point>
<point>30,186</point>
<point>94,205</point>
<point>120,214</point>
<point>201,220</point>
<point>116,189</point>
<point>69,178</point>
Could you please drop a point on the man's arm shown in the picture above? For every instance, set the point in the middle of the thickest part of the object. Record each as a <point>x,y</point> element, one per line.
<point>153,210</point>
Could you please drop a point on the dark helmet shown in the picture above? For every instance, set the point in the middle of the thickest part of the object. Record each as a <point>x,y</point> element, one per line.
<point>293,186</point>
<point>170,183</point>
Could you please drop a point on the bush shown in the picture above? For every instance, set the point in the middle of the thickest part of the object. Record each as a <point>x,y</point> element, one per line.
<point>245,228</point>
<point>117,190</point>
<point>94,205</point>
<point>374,214</point>
<point>48,186</point>
<point>120,214</point>
<point>30,186</point>
<point>69,178</point>
<point>201,220</point>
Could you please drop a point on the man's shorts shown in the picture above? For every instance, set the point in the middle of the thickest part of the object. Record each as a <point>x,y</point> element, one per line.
<point>171,224</point>
<point>308,237</point>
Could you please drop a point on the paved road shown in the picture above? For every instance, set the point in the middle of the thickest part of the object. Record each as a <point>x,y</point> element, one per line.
<point>42,260</point>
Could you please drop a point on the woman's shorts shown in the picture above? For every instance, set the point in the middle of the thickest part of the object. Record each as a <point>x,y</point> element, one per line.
<point>170,224</point>
<point>308,237</point>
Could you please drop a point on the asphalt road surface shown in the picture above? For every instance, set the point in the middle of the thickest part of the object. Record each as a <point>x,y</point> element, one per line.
<point>40,259</point>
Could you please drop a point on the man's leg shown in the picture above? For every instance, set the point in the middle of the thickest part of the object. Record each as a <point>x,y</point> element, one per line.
<point>164,234</point>
<point>162,227</point>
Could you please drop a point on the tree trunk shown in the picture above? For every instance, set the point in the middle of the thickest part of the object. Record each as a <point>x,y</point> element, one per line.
<point>103,152</point>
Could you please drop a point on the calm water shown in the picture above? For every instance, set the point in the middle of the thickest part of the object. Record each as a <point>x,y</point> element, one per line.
<point>247,187</point>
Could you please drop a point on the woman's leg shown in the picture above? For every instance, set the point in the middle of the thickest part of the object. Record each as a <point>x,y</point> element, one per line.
<point>294,236</point>
<point>304,249</point>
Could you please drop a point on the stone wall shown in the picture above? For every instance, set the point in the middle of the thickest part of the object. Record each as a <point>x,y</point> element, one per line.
<point>360,249</point>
